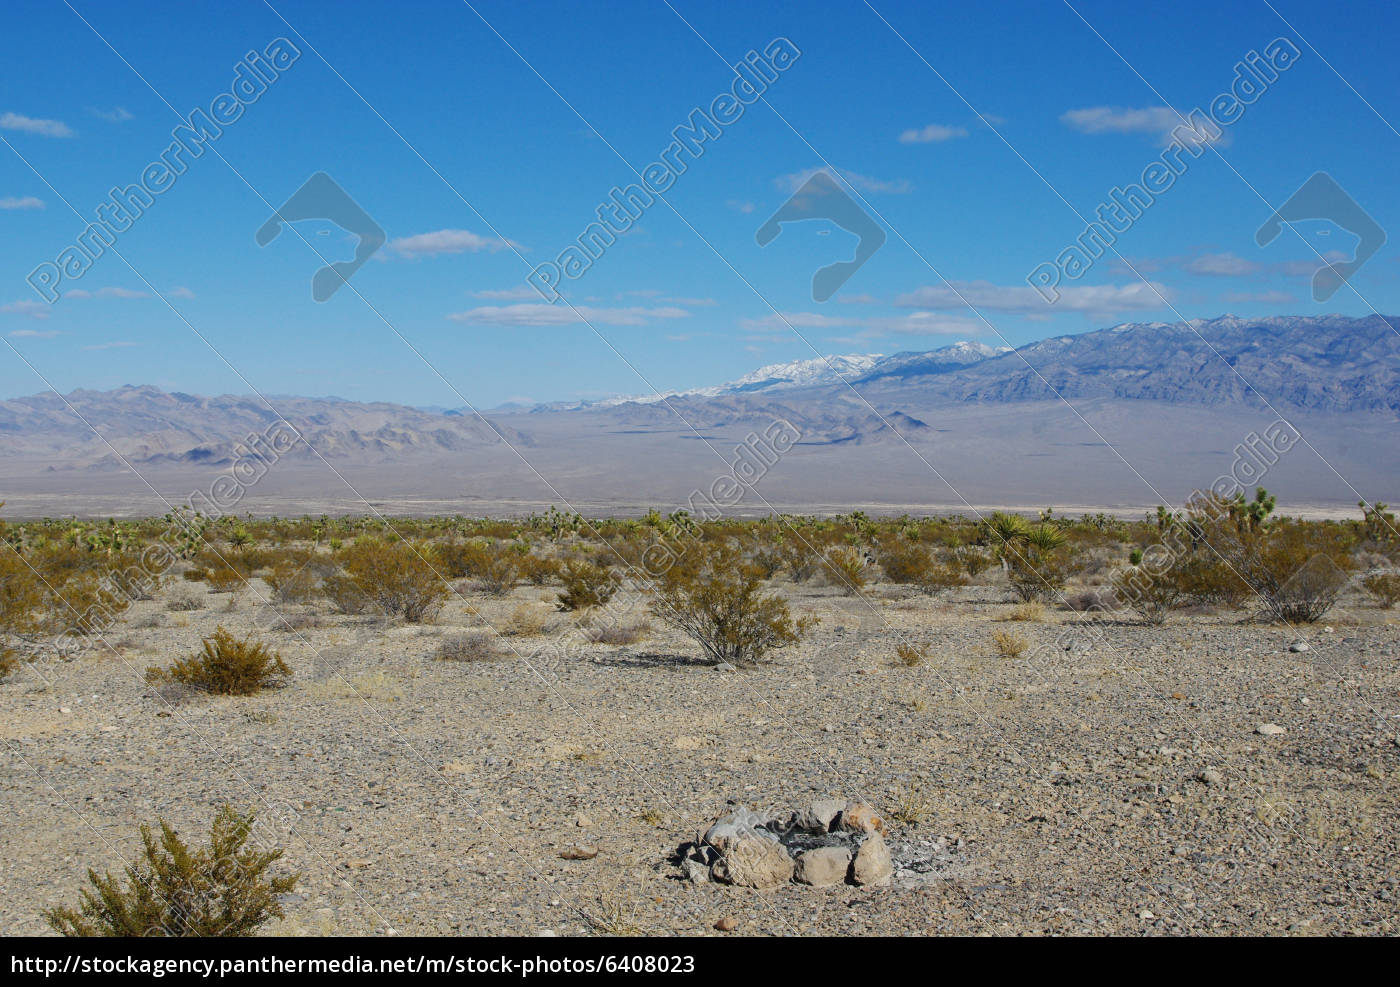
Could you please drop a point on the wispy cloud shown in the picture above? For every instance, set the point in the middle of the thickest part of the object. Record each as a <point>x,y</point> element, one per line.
<point>1225,265</point>
<point>108,292</point>
<point>117,114</point>
<point>1157,121</point>
<point>35,333</point>
<point>793,182</point>
<point>518,293</point>
<point>741,205</point>
<point>30,125</point>
<point>179,291</point>
<point>447,242</point>
<point>871,327</point>
<point>540,314</point>
<point>120,344</point>
<point>1104,299</point>
<point>35,310</point>
<point>934,133</point>
<point>24,202</point>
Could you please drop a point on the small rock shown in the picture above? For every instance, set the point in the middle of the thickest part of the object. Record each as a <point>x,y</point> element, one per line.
<point>857,817</point>
<point>1210,777</point>
<point>582,821</point>
<point>753,862</point>
<point>1269,729</point>
<point>818,817</point>
<point>724,666</point>
<point>727,924</point>
<point>872,864</point>
<point>581,851</point>
<point>1298,646</point>
<point>695,872</point>
<point>823,867</point>
<point>358,864</point>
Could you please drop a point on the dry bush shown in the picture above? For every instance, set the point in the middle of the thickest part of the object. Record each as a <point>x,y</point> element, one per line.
<point>1150,593</point>
<point>527,620</point>
<point>972,559</point>
<point>471,646</point>
<point>716,599</point>
<point>222,578</point>
<point>586,585</point>
<point>298,577</point>
<point>494,568</point>
<point>910,564</point>
<point>1096,600</point>
<point>9,661</point>
<point>219,890</point>
<point>800,557</point>
<point>294,623</point>
<point>1384,587</point>
<point>395,578</point>
<point>184,598</point>
<point>1009,644</point>
<point>845,567</point>
<point>911,655</point>
<point>1037,574</point>
<point>538,571</point>
<point>226,666</point>
<point>618,634</point>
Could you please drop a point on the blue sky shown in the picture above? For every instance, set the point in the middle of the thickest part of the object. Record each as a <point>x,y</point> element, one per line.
<point>458,139</point>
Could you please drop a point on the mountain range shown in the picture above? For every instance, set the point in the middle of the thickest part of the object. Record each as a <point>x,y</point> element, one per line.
<point>1121,417</point>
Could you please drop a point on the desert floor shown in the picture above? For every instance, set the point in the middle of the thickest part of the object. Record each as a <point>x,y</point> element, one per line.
<point>1112,780</point>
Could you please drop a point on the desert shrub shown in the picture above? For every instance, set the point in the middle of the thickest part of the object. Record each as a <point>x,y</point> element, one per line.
<point>394,578</point>
<point>1096,600</point>
<point>800,557</point>
<point>1208,580</point>
<point>1384,587</point>
<point>911,655</point>
<point>1150,593</point>
<point>494,568</point>
<point>617,634</point>
<point>1036,574</point>
<point>222,578</point>
<point>294,623</point>
<point>133,582</point>
<point>1296,570</point>
<point>586,585</point>
<point>297,577</point>
<point>9,661</point>
<point>471,646</point>
<point>194,575</point>
<point>218,890</point>
<point>973,559</point>
<point>538,571</point>
<point>184,598</point>
<point>767,559</point>
<point>527,620</point>
<point>1009,644</point>
<point>845,567</point>
<point>226,666</point>
<point>911,564</point>
<point>717,600</point>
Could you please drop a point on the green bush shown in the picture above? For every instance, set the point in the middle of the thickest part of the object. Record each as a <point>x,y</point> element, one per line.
<point>218,890</point>
<point>586,585</point>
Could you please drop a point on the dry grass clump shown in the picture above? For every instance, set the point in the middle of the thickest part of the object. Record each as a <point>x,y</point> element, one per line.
<point>586,585</point>
<point>471,646</point>
<point>911,655</point>
<point>216,891</point>
<point>495,568</point>
<point>1032,613</point>
<point>527,620</point>
<point>845,568</point>
<point>618,634</point>
<point>1098,599</point>
<point>184,598</point>
<point>226,666</point>
<point>1009,644</point>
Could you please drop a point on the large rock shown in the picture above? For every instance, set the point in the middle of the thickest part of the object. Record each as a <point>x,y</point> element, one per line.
<point>823,866</point>
<point>857,817</point>
<point>728,830</point>
<point>754,862</point>
<point>872,864</point>
<point>818,817</point>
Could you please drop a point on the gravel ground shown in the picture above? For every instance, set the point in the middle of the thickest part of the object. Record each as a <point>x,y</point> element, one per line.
<point>1120,786</point>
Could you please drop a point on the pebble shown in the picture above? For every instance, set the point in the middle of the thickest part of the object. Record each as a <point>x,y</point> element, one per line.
<point>1269,729</point>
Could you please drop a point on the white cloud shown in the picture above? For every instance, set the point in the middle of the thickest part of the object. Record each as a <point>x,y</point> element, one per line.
<point>117,114</point>
<point>29,125</point>
<point>35,310</point>
<point>874,327</point>
<point>24,202</point>
<point>507,294</point>
<point>114,292</point>
<point>793,182</point>
<point>119,345</point>
<point>1159,121</point>
<point>179,291</point>
<point>541,314</point>
<point>740,205</point>
<point>1220,266</point>
<point>983,295</point>
<point>447,242</point>
<point>35,333</point>
<point>934,133</point>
